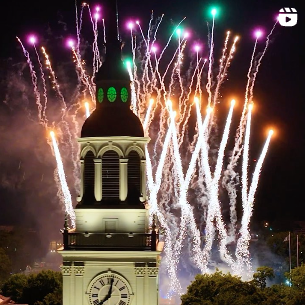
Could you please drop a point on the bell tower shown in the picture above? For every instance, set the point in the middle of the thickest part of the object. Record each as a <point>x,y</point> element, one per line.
<point>111,256</point>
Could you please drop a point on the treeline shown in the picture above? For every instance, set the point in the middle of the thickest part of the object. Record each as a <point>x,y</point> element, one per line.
<point>225,289</point>
<point>43,288</point>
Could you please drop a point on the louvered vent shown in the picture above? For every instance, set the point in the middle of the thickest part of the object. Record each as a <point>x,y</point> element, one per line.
<point>89,178</point>
<point>110,175</point>
<point>134,176</point>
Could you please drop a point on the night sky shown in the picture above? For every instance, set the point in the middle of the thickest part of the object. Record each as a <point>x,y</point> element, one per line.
<point>278,96</point>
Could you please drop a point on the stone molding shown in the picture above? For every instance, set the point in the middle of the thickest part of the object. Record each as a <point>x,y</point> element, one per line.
<point>79,270</point>
<point>140,271</point>
<point>152,271</point>
<point>66,270</point>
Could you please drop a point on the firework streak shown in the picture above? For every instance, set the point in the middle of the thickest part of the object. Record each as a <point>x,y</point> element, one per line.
<point>188,183</point>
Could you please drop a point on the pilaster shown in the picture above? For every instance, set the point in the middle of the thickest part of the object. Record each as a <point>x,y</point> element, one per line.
<point>81,187</point>
<point>123,179</point>
<point>140,277</point>
<point>68,296</point>
<point>152,273</point>
<point>143,180</point>
<point>98,179</point>
<point>79,271</point>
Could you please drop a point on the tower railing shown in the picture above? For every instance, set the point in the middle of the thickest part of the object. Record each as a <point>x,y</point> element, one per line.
<point>109,241</point>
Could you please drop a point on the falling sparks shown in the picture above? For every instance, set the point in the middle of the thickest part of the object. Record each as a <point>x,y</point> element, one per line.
<point>181,160</point>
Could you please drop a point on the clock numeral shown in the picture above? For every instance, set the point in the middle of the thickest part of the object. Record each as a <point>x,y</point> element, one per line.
<point>109,280</point>
<point>122,288</point>
<point>96,288</point>
<point>94,295</point>
<point>116,282</point>
<point>122,303</point>
<point>124,295</point>
<point>102,282</point>
<point>96,302</point>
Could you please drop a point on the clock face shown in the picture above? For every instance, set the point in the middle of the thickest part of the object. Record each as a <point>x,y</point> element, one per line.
<point>109,289</point>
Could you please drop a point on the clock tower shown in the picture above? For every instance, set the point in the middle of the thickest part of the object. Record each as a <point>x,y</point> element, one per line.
<point>111,257</point>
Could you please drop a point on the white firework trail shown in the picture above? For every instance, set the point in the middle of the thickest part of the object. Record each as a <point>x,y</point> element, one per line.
<point>34,82</point>
<point>258,168</point>
<point>209,81</point>
<point>214,209</point>
<point>231,177</point>
<point>84,78</point>
<point>245,161</point>
<point>134,105</point>
<point>62,178</point>
<point>259,61</point>
<point>242,248</point>
<point>225,64</point>
<point>242,254</point>
<point>240,132</point>
<point>63,123</point>
<point>151,102</point>
<point>222,65</point>
<point>154,209</point>
<point>45,95</point>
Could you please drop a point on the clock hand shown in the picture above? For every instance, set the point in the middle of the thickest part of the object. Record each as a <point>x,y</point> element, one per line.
<point>108,294</point>
<point>110,289</point>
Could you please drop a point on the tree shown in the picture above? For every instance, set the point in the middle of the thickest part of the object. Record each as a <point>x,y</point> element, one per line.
<point>281,294</point>
<point>44,287</point>
<point>54,298</point>
<point>297,277</point>
<point>225,289</point>
<point>5,266</point>
<point>262,274</point>
<point>221,289</point>
<point>14,286</point>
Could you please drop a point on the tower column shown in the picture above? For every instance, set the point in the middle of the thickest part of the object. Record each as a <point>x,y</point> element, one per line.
<point>143,180</point>
<point>81,187</point>
<point>153,284</point>
<point>140,276</point>
<point>79,276</point>
<point>98,179</point>
<point>123,179</point>
<point>67,279</point>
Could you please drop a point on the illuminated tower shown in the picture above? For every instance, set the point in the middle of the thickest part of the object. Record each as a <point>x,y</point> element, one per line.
<point>111,257</point>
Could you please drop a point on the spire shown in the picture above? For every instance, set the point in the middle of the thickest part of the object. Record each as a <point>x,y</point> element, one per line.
<point>117,20</point>
<point>112,68</point>
<point>111,21</point>
<point>112,115</point>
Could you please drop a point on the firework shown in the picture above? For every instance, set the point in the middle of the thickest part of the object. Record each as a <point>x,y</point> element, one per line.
<point>185,162</point>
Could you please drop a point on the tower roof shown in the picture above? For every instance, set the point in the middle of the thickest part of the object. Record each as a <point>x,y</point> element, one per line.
<point>112,122</point>
<point>112,115</point>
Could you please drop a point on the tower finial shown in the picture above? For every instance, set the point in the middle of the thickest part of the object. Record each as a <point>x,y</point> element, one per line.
<point>117,20</point>
<point>111,20</point>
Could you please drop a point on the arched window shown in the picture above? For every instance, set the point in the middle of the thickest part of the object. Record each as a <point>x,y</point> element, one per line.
<point>134,177</point>
<point>89,178</point>
<point>110,175</point>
